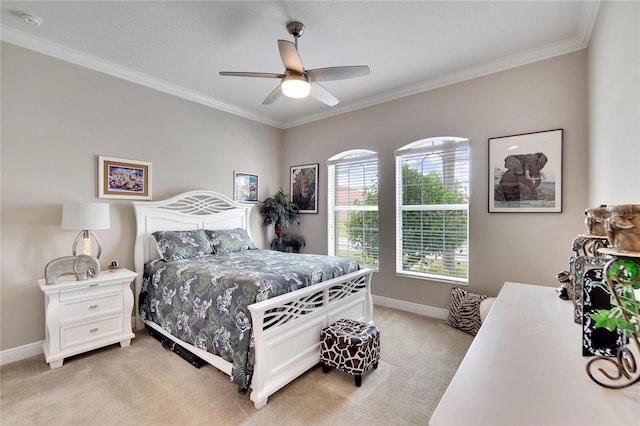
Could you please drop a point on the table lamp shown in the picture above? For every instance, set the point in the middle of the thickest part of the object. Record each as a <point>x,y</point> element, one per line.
<point>86,217</point>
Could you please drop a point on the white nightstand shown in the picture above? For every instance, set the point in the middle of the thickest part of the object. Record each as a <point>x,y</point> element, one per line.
<point>84,315</point>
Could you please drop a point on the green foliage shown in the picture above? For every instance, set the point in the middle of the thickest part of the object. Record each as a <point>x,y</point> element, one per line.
<point>422,189</point>
<point>419,189</point>
<point>362,227</point>
<point>614,318</point>
<point>448,226</point>
<point>279,211</point>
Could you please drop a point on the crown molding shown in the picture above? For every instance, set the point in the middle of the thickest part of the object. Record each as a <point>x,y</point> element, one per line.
<point>512,61</point>
<point>588,20</point>
<point>37,44</point>
<point>578,42</point>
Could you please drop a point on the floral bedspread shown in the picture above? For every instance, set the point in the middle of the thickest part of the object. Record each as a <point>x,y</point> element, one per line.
<point>204,301</point>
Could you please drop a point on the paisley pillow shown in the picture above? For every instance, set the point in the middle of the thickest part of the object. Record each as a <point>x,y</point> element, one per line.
<point>176,245</point>
<point>230,240</point>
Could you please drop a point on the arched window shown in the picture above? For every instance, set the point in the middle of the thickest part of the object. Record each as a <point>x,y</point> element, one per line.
<point>432,209</point>
<point>353,206</point>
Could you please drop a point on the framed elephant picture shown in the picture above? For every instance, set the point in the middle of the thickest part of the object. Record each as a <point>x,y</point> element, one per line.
<point>525,173</point>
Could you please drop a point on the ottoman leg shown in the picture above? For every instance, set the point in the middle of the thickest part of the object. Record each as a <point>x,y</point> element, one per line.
<point>375,365</point>
<point>358,380</point>
<point>325,368</point>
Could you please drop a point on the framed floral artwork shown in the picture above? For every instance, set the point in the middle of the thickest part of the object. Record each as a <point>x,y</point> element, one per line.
<point>121,178</point>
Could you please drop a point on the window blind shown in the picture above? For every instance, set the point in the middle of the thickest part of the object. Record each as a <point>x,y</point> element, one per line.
<point>353,206</point>
<point>432,209</point>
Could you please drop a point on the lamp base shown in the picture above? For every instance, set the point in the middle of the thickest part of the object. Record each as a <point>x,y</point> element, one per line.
<point>86,235</point>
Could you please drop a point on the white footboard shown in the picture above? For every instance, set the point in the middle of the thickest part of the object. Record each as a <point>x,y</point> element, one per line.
<point>286,329</point>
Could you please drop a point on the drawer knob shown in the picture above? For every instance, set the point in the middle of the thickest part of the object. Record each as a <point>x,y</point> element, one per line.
<point>93,306</point>
<point>93,330</point>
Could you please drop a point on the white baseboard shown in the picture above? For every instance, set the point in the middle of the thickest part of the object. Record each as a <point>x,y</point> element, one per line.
<point>21,352</point>
<point>33,349</point>
<point>427,311</point>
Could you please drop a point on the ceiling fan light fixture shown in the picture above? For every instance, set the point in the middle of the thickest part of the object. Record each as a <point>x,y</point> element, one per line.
<point>296,86</point>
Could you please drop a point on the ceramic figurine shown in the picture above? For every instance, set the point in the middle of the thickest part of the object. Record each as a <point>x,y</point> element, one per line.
<point>623,227</point>
<point>595,220</point>
<point>82,266</point>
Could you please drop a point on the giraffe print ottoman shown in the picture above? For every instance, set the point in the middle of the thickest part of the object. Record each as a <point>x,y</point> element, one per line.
<point>350,346</point>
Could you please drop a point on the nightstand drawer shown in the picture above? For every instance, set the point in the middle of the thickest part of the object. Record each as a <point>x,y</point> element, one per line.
<point>94,306</point>
<point>91,291</point>
<point>72,335</point>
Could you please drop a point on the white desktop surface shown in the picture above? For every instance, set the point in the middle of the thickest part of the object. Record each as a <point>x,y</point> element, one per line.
<point>525,367</point>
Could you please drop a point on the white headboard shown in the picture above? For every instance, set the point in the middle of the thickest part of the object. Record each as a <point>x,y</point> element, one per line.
<point>190,210</point>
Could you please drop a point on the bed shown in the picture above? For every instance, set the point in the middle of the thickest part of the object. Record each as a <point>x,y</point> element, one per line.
<point>282,330</point>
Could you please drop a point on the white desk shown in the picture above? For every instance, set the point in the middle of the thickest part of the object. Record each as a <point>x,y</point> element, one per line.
<point>525,368</point>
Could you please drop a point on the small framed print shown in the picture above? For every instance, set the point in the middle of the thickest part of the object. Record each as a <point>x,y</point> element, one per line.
<point>525,173</point>
<point>304,187</point>
<point>121,178</point>
<point>245,187</point>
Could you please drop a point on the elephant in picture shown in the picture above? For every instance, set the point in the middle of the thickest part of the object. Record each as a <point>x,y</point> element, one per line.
<point>522,177</point>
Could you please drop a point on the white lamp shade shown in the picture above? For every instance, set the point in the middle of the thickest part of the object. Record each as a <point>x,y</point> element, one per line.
<point>85,216</point>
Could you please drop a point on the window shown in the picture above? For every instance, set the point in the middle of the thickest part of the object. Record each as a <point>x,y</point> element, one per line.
<point>353,206</point>
<point>432,209</point>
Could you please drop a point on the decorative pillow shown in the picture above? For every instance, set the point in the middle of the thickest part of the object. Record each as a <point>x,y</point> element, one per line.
<point>230,240</point>
<point>464,312</point>
<point>176,245</point>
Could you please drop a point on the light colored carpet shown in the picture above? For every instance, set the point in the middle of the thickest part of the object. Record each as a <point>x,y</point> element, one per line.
<point>147,385</point>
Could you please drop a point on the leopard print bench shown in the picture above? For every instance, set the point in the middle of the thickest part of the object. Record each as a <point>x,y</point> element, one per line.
<point>350,346</point>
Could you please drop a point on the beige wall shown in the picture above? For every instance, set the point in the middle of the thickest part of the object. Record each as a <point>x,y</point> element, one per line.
<point>56,119</point>
<point>614,105</point>
<point>521,247</point>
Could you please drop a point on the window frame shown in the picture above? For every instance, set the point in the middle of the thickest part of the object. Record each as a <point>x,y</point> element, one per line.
<point>412,150</point>
<point>347,157</point>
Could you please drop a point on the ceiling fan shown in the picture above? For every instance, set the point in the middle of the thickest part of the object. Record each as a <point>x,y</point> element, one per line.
<point>297,82</point>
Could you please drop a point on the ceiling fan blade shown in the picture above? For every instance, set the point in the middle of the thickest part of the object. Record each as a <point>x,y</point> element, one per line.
<point>338,73</point>
<point>277,92</point>
<point>252,74</point>
<point>290,57</point>
<point>323,95</point>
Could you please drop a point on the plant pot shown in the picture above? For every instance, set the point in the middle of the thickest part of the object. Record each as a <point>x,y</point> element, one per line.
<point>279,230</point>
<point>623,227</point>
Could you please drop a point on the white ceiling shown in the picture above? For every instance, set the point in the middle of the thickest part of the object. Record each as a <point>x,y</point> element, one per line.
<point>179,47</point>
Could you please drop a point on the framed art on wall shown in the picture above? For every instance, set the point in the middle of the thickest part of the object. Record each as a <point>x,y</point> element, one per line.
<point>245,187</point>
<point>121,178</point>
<point>525,173</point>
<point>304,187</point>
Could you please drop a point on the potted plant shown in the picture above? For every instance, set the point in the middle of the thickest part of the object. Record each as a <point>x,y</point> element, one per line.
<point>625,307</point>
<point>280,212</point>
<point>622,282</point>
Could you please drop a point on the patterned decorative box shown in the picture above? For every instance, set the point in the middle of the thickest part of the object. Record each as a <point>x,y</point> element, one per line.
<point>350,346</point>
